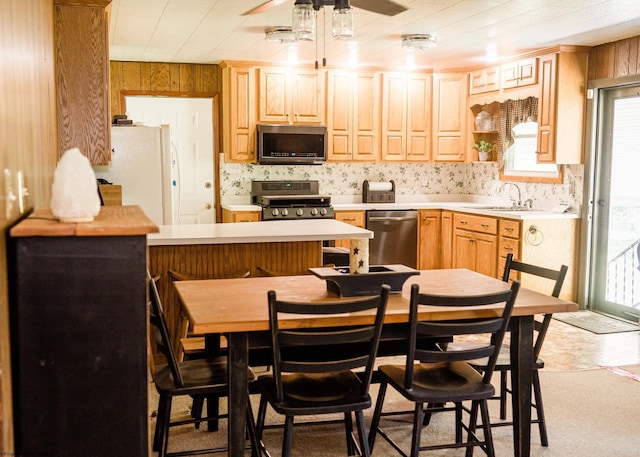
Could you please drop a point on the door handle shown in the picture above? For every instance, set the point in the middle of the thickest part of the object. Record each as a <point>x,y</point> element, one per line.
<point>393,219</point>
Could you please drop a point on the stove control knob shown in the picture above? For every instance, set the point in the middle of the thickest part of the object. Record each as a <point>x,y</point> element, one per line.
<point>275,212</point>
<point>299,212</point>
<point>314,211</point>
<point>323,211</point>
<point>285,212</point>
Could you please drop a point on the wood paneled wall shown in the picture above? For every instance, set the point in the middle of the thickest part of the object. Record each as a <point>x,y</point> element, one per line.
<point>28,143</point>
<point>616,59</point>
<point>187,78</point>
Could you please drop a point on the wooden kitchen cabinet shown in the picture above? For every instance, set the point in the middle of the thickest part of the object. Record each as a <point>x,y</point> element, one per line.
<point>562,105</point>
<point>240,216</point>
<point>82,79</point>
<point>406,117</point>
<point>429,239</point>
<point>356,218</point>
<point>353,122</point>
<point>481,243</point>
<point>238,121</point>
<point>287,96</point>
<point>519,73</point>
<point>509,232</point>
<point>475,243</point>
<point>484,80</point>
<point>447,239</point>
<point>449,117</point>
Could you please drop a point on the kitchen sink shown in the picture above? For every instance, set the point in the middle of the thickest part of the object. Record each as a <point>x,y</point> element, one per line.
<point>504,208</point>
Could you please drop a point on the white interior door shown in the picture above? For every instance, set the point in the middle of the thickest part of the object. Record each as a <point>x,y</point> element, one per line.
<point>191,121</point>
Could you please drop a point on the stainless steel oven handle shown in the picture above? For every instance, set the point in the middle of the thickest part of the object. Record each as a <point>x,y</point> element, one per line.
<point>382,219</point>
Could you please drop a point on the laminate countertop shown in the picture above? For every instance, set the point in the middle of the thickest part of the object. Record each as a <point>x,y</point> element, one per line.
<point>256,232</point>
<point>482,207</point>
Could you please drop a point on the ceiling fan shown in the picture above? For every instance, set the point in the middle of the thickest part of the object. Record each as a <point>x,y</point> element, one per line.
<point>386,7</point>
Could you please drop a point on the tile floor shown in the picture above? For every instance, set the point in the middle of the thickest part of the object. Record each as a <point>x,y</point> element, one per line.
<point>569,348</point>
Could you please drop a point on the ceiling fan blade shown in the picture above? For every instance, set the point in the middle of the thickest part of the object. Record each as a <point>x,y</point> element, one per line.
<point>264,7</point>
<point>386,7</point>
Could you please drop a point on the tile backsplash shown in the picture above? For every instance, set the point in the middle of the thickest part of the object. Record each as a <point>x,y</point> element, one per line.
<point>345,179</point>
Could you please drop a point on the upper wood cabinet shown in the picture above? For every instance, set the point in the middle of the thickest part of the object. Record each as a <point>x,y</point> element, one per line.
<point>406,116</point>
<point>238,120</point>
<point>82,80</point>
<point>449,117</point>
<point>519,73</point>
<point>353,116</point>
<point>484,80</point>
<point>562,104</point>
<point>289,96</point>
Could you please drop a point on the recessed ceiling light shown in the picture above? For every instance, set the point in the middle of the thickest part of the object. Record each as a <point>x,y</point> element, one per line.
<point>419,41</point>
<point>279,34</point>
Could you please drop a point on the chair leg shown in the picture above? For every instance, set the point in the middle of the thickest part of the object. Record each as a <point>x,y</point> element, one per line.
<point>262,414</point>
<point>362,434</point>
<point>197,405</point>
<point>348,429</point>
<point>164,432</point>
<point>458,414</point>
<point>542,424</point>
<point>375,421</point>
<point>486,424</point>
<point>418,413</point>
<point>164,414</point>
<point>213,412</point>
<point>287,438</point>
<point>253,434</point>
<point>503,395</point>
<point>473,421</point>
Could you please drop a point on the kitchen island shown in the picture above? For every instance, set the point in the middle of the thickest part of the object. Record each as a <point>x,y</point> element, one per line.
<point>207,251</point>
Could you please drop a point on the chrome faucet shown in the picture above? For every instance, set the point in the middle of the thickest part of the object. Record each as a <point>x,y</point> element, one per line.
<point>517,202</point>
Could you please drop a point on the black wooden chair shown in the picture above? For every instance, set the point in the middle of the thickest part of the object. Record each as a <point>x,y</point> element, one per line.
<point>313,368</point>
<point>443,377</point>
<point>541,325</point>
<point>198,378</point>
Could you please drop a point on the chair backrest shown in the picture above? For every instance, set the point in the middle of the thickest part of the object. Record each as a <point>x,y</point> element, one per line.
<point>160,332</point>
<point>329,349</point>
<point>557,276</point>
<point>492,327</point>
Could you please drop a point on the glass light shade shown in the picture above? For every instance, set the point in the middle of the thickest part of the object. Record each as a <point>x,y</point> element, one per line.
<point>342,22</point>
<point>304,22</point>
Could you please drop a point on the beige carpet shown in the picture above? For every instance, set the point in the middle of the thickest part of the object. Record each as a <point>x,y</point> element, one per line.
<point>589,413</point>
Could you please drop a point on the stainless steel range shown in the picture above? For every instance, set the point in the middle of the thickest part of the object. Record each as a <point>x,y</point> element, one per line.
<point>288,200</point>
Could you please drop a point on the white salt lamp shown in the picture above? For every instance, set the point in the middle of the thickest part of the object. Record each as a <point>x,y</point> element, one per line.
<point>74,194</point>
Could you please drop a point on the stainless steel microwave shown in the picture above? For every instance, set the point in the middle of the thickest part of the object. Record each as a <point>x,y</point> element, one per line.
<point>292,144</point>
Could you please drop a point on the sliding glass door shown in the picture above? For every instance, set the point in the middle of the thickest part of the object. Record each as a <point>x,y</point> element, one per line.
<point>615,260</point>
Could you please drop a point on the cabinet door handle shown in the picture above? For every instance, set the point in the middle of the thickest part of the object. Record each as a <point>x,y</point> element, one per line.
<point>508,248</point>
<point>350,219</point>
<point>464,222</point>
<point>508,229</point>
<point>484,225</point>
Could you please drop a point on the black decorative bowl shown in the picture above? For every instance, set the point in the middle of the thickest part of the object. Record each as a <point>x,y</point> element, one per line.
<point>345,284</point>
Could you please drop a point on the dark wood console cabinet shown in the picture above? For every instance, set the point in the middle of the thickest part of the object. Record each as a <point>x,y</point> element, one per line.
<point>78,323</point>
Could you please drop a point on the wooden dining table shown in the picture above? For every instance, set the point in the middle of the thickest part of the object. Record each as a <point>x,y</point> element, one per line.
<point>238,309</point>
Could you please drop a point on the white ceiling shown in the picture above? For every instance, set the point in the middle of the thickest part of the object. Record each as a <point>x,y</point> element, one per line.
<point>210,31</point>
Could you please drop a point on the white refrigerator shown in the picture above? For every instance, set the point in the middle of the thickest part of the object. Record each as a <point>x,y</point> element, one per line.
<point>144,164</point>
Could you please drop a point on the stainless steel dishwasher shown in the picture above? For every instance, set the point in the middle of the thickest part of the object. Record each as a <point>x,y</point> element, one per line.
<point>395,237</point>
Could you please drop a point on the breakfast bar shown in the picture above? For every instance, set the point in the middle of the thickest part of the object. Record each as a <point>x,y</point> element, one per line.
<point>208,251</point>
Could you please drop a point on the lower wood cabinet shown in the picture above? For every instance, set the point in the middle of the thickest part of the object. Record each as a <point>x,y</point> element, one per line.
<point>429,239</point>
<point>240,216</point>
<point>475,243</point>
<point>356,218</point>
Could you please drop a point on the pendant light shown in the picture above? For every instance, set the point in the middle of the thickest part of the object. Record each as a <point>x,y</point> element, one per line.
<point>304,21</point>
<point>342,20</point>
